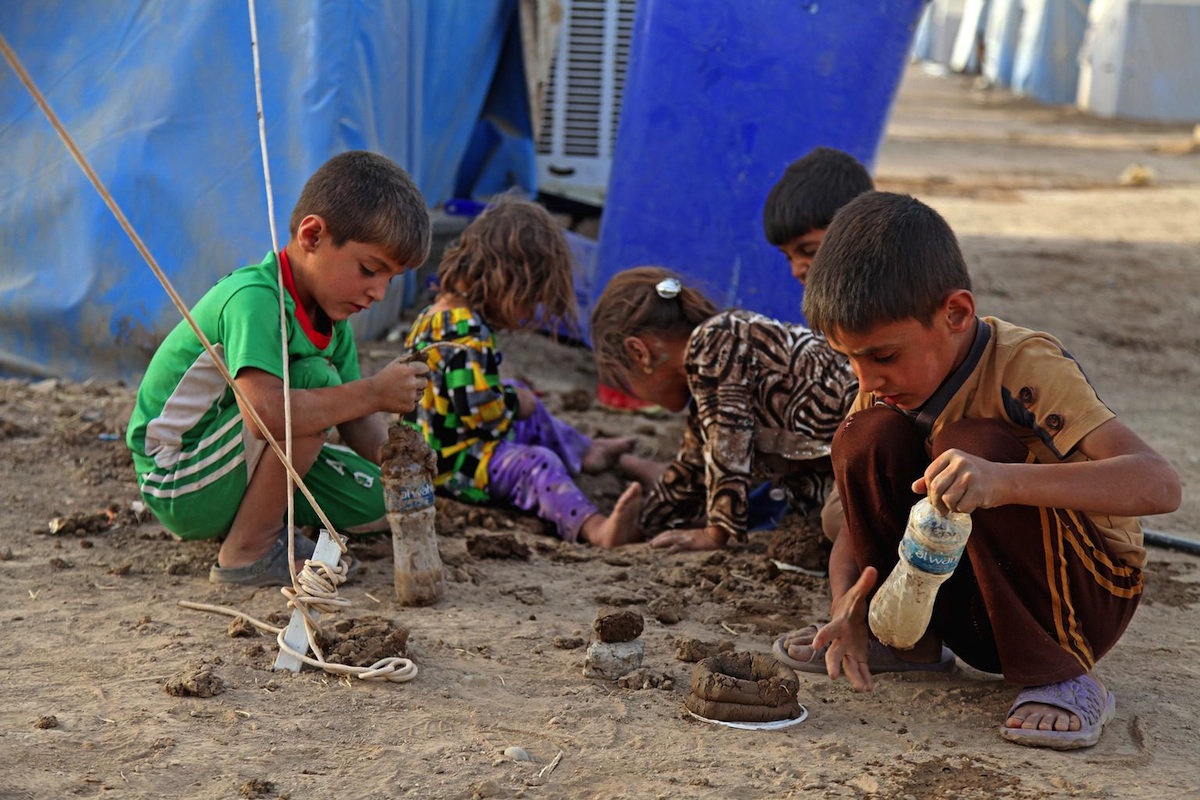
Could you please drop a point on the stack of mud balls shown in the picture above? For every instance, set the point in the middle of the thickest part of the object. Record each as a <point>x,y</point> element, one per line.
<point>743,687</point>
<point>616,649</point>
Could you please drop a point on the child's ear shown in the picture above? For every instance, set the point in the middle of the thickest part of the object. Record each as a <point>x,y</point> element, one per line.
<point>310,231</point>
<point>637,352</point>
<point>959,309</point>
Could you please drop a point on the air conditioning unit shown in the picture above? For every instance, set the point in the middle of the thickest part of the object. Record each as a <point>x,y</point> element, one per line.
<point>582,102</point>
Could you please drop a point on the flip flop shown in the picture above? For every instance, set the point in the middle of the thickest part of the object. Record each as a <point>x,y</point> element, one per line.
<point>880,658</point>
<point>1082,696</point>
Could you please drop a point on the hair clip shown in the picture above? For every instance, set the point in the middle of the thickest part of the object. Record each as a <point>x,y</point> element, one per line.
<point>668,288</point>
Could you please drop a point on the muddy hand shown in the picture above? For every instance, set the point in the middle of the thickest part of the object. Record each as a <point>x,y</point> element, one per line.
<point>402,384</point>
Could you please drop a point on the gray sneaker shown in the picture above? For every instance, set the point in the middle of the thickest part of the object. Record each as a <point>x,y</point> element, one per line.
<point>272,568</point>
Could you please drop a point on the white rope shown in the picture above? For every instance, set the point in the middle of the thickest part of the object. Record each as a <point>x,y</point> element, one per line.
<point>283,346</point>
<point>315,588</point>
<point>302,583</point>
<point>320,583</point>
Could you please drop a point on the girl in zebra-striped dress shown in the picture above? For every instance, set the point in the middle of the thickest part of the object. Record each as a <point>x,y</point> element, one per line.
<point>764,399</point>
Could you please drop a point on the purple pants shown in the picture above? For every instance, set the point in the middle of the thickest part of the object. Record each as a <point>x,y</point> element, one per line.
<point>533,470</point>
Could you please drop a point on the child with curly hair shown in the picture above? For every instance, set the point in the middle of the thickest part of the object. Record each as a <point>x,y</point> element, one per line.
<point>495,441</point>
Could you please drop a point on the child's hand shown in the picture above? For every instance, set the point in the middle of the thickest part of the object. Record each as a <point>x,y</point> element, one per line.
<point>400,385</point>
<point>958,481</point>
<point>526,402</point>
<point>846,634</point>
<point>711,538</point>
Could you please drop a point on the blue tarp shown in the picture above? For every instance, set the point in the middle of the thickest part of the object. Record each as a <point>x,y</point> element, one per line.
<point>964,55</point>
<point>159,96</point>
<point>937,31</point>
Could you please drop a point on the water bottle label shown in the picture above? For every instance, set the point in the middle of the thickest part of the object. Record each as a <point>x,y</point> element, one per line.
<point>932,561</point>
<point>408,498</point>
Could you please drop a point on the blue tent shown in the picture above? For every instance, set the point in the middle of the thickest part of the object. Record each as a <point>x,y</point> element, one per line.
<point>716,106</point>
<point>159,96</point>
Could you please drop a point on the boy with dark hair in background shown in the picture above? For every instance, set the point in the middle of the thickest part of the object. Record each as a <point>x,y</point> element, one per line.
<point>802,203</point>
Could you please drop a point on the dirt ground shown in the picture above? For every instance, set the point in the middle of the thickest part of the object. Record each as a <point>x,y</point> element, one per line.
<point>110,689</point>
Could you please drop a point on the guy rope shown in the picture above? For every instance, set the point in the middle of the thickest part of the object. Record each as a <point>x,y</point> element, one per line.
<point>314,587</point>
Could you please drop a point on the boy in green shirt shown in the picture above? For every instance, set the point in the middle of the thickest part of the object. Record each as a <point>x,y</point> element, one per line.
<point>202,464</point>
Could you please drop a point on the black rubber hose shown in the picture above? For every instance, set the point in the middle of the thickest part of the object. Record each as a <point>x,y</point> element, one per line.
<point>1170,542</point>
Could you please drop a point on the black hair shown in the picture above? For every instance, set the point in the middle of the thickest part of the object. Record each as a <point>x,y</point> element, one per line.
<point>366,197</point>
<point>886,257</point>
<point>810,192</point>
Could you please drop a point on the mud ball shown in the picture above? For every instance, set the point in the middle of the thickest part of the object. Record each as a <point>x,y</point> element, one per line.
<point>799,541</point>
<point>743,687</point>
<point>621,626</point>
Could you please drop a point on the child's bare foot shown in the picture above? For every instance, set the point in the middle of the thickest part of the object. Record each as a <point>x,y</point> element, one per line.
<point>619,527</point>
<point>645,471</point>
<point>603,453</point>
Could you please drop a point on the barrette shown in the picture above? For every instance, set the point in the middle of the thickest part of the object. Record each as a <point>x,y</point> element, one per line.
<point>668,288</point>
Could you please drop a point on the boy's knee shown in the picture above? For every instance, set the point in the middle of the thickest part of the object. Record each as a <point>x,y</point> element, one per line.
<point>986,438</point>
<point>874,430</point>
<point>314,372</point>
<point>832,517</point>
<point>544,458</point>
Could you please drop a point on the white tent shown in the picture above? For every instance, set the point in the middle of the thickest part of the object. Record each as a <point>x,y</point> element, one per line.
<point>1140,60</point>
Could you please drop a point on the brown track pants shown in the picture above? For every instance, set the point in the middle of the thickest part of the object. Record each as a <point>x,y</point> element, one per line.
<point>1039,598</point>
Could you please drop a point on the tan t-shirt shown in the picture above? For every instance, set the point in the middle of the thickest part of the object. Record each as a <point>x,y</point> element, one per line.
<point>1026,380</point>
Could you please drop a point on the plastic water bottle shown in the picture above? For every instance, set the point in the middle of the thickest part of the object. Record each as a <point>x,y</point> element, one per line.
<point>407,471</point>
<point>929,552</point>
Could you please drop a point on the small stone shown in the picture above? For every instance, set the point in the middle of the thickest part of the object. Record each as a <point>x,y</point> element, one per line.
<point>503,545</point>
<point>634,680</point>
<point>517,753</point>
<point>239,627</point>
<point>567,642</point>
<point>611,660</point>
<point>46,722</point>
<point>257,787</point>
<point>195,683</point>
<point>486,789</point>
<point>664,610</point>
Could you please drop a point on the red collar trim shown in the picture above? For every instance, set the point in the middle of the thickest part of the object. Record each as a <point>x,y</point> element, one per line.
<point>321,340</point>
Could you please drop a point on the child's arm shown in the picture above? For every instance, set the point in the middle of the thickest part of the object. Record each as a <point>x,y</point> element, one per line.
<point>365,435</point>
<point>1125,477</point>
<point>527,402</point>
<point>677,497</point>
<point>395,389</point>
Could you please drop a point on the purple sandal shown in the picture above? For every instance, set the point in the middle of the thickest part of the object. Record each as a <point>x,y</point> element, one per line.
<point>1081,696</point>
